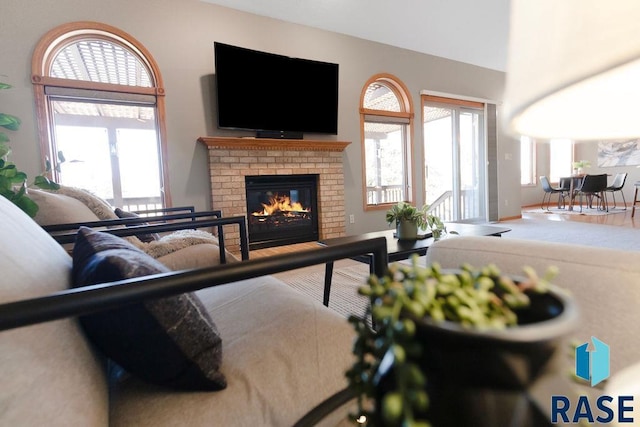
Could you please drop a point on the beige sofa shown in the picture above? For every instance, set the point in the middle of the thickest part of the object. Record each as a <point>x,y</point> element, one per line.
<point>282,352</point>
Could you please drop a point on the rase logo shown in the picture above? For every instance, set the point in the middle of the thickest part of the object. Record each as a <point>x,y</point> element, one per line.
<point>592,366</point>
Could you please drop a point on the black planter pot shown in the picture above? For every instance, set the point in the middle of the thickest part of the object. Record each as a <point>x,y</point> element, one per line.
<point>481,378</point>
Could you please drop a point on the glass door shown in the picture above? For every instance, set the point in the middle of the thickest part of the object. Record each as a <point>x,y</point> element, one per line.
<point>454,155</point>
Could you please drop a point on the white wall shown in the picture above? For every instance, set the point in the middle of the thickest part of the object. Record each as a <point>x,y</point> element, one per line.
<point>180,36</point>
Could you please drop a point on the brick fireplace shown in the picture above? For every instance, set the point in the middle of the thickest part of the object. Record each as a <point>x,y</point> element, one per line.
<point>232,159</point>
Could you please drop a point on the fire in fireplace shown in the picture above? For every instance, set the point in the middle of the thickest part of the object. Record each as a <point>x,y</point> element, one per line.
<point>281,209</point>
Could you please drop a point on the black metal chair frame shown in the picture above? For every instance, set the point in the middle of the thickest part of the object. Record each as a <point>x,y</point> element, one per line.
<point>107,296</point>
<point>66,233</point>
<point>617,185</point>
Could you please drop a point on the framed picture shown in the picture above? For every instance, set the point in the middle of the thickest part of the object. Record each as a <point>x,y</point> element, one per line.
<point>619,153</point>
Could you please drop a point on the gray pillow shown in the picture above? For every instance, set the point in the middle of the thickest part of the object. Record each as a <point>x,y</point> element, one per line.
<point>169,341</point>
<point>144,237</point>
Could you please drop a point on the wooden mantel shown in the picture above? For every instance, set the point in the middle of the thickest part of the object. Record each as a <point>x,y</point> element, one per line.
<point>237,143</point>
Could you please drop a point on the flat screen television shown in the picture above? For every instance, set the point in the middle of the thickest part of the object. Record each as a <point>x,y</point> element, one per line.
<point>275,95</point>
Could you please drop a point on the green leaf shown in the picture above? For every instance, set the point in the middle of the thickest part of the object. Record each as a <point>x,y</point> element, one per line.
<point>45,183</point>
<point>27,205</point>
<point>4,149</point>
<point>5,86</point>
<point>3,137</point>
<point>10,122</point>
<point>9,170</point>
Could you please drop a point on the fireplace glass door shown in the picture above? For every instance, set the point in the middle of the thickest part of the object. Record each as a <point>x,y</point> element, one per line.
<point>281,209</point>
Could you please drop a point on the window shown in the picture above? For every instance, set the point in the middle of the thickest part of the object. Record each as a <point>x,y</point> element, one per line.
<point>100,109</point>
<point>386,115</point>
<point>560,158</point>
<point>527,161</point>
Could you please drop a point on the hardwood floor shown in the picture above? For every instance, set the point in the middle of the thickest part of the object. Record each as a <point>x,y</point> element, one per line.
<point>622,220</point>
<point>260,253</point>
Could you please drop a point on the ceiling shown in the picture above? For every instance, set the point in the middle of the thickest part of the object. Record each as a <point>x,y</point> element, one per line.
<point>470,31</point>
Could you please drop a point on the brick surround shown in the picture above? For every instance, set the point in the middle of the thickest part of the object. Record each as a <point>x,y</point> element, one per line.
<point>231,159</point>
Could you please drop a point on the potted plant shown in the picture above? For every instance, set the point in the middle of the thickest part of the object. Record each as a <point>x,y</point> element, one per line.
<point>580,166</point>
<point>13,182</point>
<point>408,219</point>
<point>446,342</point>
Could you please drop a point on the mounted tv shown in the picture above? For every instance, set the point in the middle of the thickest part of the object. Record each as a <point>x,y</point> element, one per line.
<point>274,95</point>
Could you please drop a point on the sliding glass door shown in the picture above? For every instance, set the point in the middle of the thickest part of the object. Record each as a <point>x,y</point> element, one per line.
<point>455,159</point>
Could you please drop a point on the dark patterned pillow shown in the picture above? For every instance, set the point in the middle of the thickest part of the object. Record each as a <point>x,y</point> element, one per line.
<point>144,237</point>
<point>169,341</point>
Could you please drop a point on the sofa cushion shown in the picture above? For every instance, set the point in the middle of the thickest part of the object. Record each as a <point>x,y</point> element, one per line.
<point>169,341</point>
<point>144,237</point>
<point>60,209</point>
<point>100,207</point>
<point>284,354</point>
<point>50,375</point>
<point>187,249</point>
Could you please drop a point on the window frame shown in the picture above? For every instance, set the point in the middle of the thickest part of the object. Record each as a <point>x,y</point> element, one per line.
<point>404,117</point>
<point>46,50</point>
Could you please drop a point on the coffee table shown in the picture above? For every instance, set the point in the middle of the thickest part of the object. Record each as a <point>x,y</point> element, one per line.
<point>398,250</point>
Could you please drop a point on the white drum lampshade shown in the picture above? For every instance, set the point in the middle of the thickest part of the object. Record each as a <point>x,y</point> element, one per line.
<point>573,69</point>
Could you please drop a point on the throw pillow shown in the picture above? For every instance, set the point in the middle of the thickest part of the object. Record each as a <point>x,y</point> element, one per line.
<point>100,207</point>
<point>169,341</point>
<point>145,237</point>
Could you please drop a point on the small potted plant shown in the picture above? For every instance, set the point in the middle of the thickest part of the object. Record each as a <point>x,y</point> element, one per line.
<point>444,343</point>
<point>580,166</point>
<point>408,219</point>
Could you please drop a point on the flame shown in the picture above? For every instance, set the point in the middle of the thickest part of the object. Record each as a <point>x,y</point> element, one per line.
<point>279,203</point>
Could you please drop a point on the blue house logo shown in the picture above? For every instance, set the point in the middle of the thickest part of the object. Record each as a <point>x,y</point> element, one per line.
<point>593,364</point>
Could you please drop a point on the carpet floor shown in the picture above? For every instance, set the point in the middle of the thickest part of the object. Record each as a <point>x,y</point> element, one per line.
<point>349,275</point>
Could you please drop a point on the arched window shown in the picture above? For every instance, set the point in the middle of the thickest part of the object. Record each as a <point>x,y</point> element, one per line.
<point>386,115</point>
<point>100,110</point>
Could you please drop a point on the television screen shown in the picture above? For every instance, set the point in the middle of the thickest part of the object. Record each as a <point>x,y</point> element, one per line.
<point>263,91</point>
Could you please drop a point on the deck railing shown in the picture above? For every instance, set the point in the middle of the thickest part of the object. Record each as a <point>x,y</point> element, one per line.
<point>442,207</point>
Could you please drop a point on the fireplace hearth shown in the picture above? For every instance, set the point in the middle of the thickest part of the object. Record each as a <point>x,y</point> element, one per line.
<point>281,209</point>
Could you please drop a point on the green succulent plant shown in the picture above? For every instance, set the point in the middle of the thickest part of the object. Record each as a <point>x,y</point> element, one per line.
<point>13,182</point>
<point>476,298</point>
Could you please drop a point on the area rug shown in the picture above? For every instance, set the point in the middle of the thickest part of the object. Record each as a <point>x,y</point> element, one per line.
<point>348,276</point>
<point>576,211</point>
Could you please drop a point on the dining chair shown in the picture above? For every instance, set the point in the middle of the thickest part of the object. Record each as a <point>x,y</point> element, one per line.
<point>616,185</point>
<point>549,190</point>
<point>594,187</point>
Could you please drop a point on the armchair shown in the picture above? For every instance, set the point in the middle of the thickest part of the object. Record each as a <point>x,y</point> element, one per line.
<point>282,352</point>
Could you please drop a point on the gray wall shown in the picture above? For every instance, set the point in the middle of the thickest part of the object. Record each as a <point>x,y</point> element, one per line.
<point>180,36</point>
